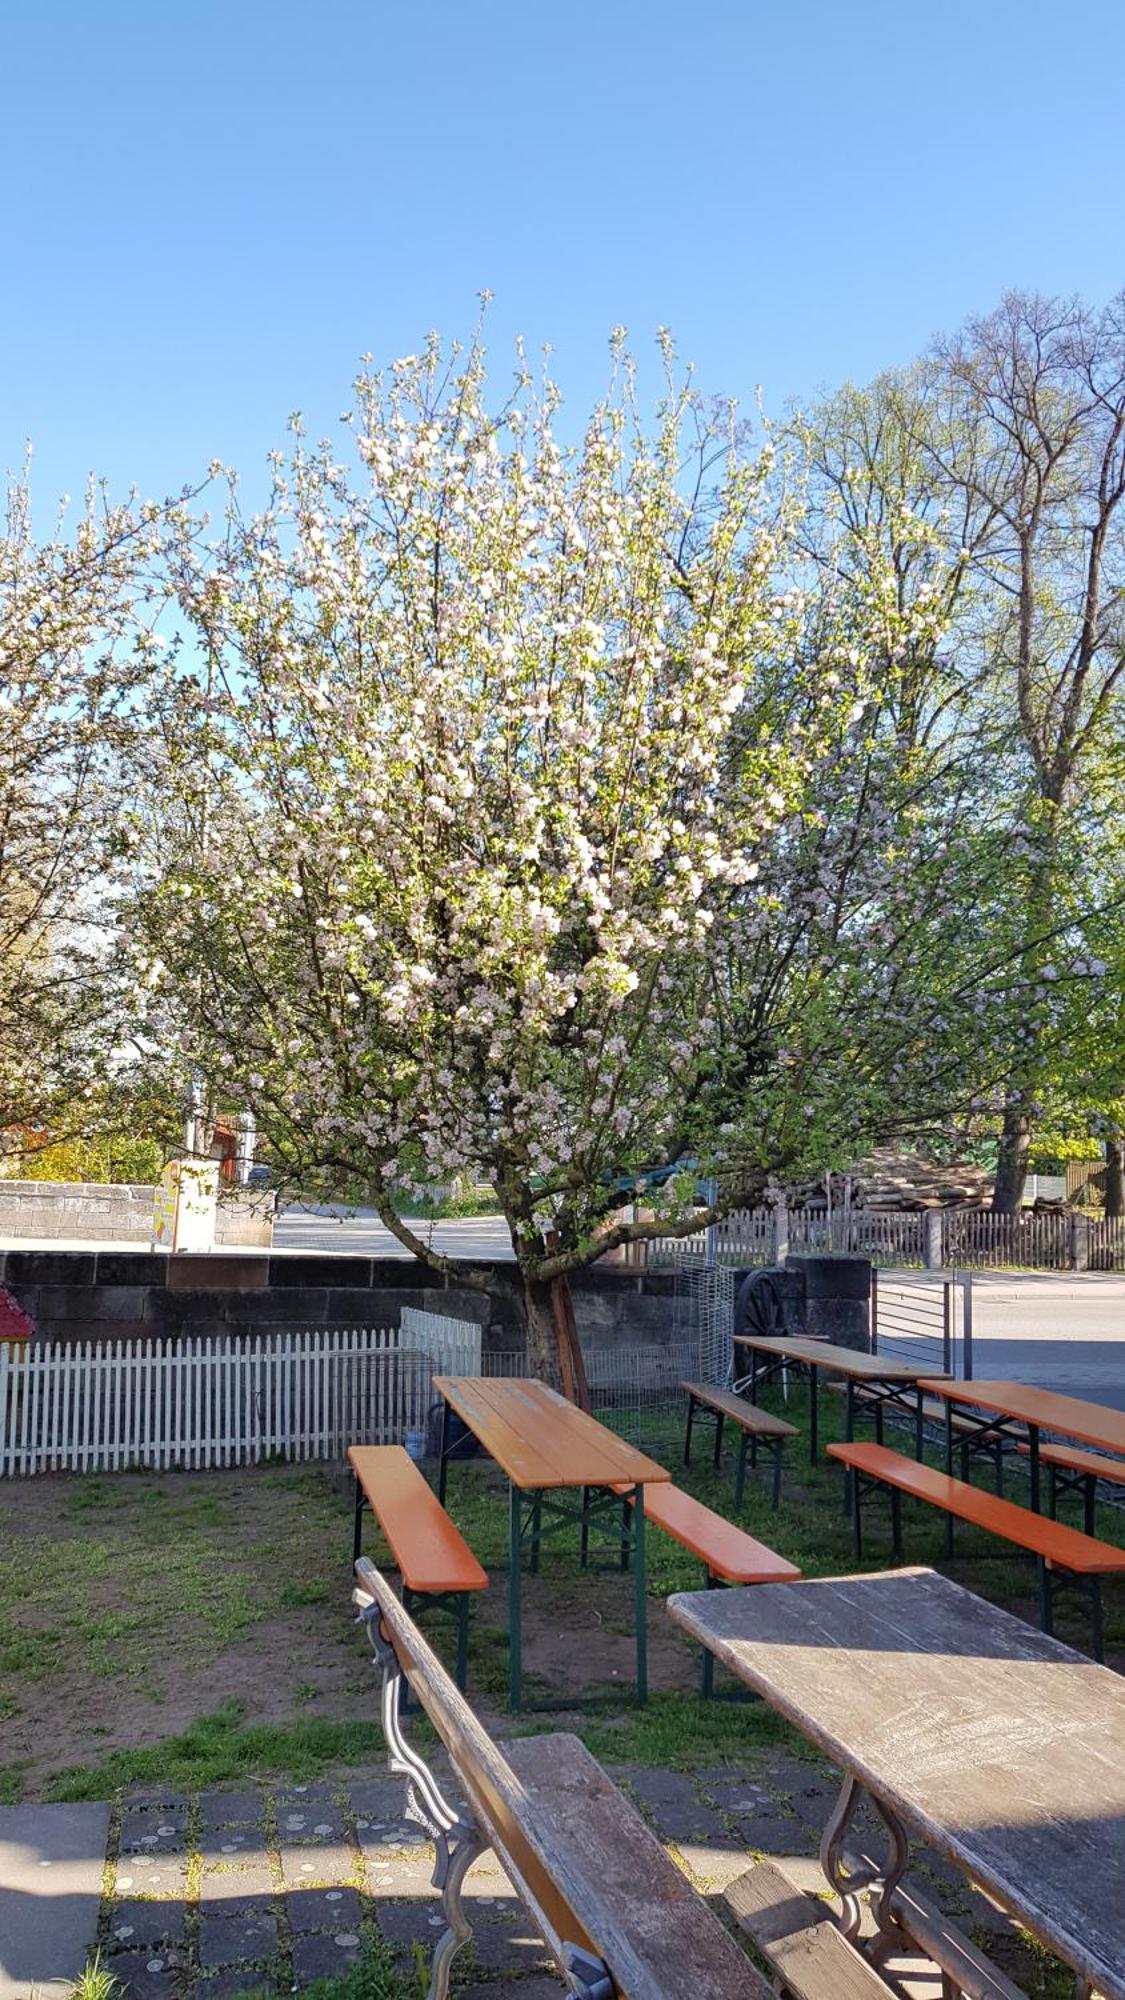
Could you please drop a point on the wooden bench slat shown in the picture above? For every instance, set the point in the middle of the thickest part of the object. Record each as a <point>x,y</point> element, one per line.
<point>974,1974</point>
<point>724,1402</point>
<point>1061,1546</point>
<point>429,1550</point>
<point>579,1855</point>
<point>1072,1460</point>
<point>798,1936</point>
<point>646,1920</point>
<point>728,1551</point>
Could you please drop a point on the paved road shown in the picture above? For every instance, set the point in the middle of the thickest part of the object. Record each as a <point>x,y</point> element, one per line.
<point>1060,1331</point>
<point>361,1233</point>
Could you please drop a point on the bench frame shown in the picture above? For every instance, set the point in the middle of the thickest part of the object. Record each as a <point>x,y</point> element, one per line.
<point>749,1440</point>
<point>1053,1581</point>
<point>458,1841</point>
<point>557,1884</point>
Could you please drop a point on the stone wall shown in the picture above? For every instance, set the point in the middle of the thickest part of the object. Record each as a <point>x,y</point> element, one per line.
<point>110,1294</point>
<point>73,1211</point>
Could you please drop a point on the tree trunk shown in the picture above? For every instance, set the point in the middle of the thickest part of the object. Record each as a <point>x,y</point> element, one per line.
<point>554,1353</point>
<point>1011,1163</point>
<point>572,1365</point>
<point>1114,1178</point>
<point>541,1331</point>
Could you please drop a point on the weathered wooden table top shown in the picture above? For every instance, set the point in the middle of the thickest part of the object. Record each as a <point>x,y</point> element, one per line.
<point>1093,1423</point>
<point>841,1360</point>
<point>539,1439</point>
<point>1002,1748</point>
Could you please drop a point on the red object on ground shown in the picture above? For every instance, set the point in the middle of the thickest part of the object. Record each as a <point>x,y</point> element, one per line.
<point>14,1322</point>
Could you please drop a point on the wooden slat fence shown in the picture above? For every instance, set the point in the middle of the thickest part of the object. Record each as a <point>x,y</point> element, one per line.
<point>207,1401</point>
<point>1107,1245</point>
<point>985,1241</point>
<point>951,1238</point>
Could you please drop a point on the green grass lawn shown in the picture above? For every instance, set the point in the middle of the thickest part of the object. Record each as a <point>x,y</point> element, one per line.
<point>196,1627</point>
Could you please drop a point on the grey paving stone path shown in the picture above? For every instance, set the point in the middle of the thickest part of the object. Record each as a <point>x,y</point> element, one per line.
<point>264,1890</point>
<point>52,1861</point>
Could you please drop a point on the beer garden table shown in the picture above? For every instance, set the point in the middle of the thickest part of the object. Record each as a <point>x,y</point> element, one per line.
<point>999,1747</point>
<point>547,1446</point>
<point>874,1380</point>
<point>1018,1410</point>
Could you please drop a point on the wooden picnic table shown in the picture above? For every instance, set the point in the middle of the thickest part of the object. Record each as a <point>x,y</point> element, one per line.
<point>873,1380</point>
<point>998,1746</point>
<point>1017,1409</point>
<point>546,1445</point>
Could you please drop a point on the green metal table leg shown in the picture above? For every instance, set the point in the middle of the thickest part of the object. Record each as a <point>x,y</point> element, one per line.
<point>849,1435</point>
<point>514,1608</point>
<point>640,1600</point>
<point>443,1448</point>
<point>463,1640</point>
<point>584,1539</point>
<point>536,1520</point>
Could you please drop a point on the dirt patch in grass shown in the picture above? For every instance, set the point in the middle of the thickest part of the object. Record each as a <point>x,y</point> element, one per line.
<point>130,1605</point>
<point>133,1605</point>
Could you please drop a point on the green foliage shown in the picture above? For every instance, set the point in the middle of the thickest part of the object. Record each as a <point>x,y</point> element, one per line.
<point>113,1159</point>
<point>96,1982</point>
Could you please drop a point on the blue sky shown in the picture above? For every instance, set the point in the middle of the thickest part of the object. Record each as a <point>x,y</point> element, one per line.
<point>212,210</point>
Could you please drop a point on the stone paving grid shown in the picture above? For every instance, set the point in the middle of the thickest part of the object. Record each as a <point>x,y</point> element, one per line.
<point>265,1890</point>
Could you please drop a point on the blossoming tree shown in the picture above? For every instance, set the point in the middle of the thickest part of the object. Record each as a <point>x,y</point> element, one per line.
<point>76,648</point>
<point>481,795</point>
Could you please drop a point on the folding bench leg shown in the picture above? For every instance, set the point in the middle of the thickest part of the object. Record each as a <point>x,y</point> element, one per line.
<point>1089,1501</point>
<point>1046,1599</point>
<point>719,1423</point>
<point>896,1524</point>
<point>740,1472</point>
<point>687,1429</point>
<point>357,1522</point>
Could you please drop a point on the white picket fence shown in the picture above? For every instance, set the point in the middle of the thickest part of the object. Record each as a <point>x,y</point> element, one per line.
<point>454,1345</point>
<point>220,1400</point>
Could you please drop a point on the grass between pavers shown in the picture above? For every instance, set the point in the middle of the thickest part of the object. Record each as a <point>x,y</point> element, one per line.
<point>376,1976</point>
<point>189,1571</point>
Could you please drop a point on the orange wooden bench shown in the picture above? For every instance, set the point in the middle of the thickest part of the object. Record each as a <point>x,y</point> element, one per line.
<point>1075,1471</point>
<point>754,1425</point>
<point>727,1552</point>
<point>432,1556</point>
<point>1056,1548</point>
